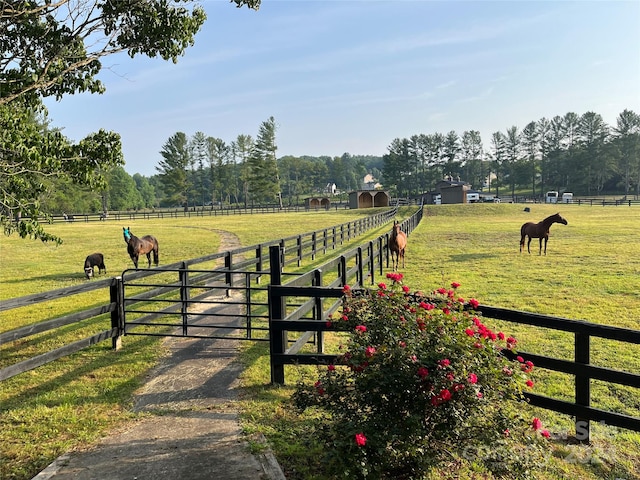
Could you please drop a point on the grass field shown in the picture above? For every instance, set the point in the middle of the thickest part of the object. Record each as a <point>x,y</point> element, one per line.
<point>591,272</point>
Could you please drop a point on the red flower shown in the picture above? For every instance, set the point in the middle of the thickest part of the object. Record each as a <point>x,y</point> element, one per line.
<point>445,395</point>
<point>474,303</point>
<point>501,335</point>
<point>545,433</point>
<point>469,332</point>
<point>361,440</point>
<point>346,289</point>
<point>473,378</point>
<point>445,362</point>
<point>529,383</point>
<point>328,324</point>
<point>423,372</point>
<point>361,329</point>
<point>441,291</point>
<point>382,286</point>
<point>455,285</point>
<point>405,289</point>
<point>520,359</point>
<point>370,351</point>
<point>331,368</point>
<point>457,387</point>
<point>536,424</point>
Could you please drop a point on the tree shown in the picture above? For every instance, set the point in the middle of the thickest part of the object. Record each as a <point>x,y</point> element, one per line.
<point>530,141</point>
<point>122,191</point>
<point>32,154</point>
<point>471,156</point>
<point>265,179</point>
<point>627,133</point>
<point>147,192</point>
<point>55,49</point>
<point>512,149</point>
<point>173,169</point>
<point>241,152</point>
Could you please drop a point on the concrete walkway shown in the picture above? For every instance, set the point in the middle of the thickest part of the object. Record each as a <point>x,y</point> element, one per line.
<point>192,430</point>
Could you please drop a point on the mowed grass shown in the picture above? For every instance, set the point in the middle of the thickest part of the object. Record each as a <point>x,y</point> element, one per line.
<point>72,402</point>
<point>591,272</point>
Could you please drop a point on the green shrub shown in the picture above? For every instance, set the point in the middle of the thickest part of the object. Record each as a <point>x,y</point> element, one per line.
<point>421,382</point>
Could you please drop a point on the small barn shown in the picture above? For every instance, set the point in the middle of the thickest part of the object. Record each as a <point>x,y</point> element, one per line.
<point>452,191</point>
<point>317,202</point>
<point>369,199</point>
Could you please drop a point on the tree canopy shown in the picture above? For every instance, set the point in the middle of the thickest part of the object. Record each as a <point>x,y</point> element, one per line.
<point>55,49</point>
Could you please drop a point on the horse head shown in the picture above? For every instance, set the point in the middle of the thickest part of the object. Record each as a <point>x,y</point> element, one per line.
<point>560,219</point>
<point>126,232</point>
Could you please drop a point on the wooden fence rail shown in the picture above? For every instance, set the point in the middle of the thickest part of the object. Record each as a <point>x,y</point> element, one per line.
<point>283,320</point>
<point>235,263</point>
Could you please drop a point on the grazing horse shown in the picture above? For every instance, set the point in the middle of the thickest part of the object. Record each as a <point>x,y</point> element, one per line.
<point>141,246</point>
<point>397,246</point>
<point>539,230</point>
<point>94,260</point>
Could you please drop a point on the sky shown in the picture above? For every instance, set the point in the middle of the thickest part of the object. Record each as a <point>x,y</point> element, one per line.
<point>353,75</point>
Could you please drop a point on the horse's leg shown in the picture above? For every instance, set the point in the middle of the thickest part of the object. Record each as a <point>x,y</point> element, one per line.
<point>529,245</point>
<point>522,242</point>
<point>403,258</point>
<point>149,258</point>
<point>545,247</point>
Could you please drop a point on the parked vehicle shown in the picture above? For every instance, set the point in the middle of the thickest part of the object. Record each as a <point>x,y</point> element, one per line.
<point>567,197</point>
<point>551,197</point>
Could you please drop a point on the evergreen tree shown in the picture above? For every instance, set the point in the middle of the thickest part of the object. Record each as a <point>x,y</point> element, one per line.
<point>173,170</point>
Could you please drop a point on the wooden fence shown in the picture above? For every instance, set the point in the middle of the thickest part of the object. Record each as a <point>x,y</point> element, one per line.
<point>303,307</point>
<point>232,263</point>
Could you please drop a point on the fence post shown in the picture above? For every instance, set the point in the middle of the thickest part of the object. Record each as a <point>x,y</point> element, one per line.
<point>360,271</point>
<point>317,282</point>
<point>228,263</point>
<point>116,296</point>
<point>314,245</point>
<point>299,241</point>
<point>371,263</point>
<point>184,297</point>
<point>259,262</point>
<point>583,386</point>
<point>380,247</point>
<point>277,338</point>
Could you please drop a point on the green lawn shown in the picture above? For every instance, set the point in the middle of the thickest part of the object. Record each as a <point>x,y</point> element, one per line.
<point>591,272</point>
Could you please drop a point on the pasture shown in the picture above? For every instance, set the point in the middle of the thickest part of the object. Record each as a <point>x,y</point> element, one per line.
<point>76,400</point>
<point>591,272</point>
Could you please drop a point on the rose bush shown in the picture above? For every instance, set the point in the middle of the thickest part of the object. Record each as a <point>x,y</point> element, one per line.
<point>421,382</point>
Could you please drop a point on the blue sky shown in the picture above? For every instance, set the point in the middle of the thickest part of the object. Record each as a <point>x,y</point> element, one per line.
<point>350,76</point>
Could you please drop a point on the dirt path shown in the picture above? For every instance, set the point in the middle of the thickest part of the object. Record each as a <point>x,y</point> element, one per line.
<point>191,430</point>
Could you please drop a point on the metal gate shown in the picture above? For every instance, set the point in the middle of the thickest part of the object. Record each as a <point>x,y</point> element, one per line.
<point>195,303</point>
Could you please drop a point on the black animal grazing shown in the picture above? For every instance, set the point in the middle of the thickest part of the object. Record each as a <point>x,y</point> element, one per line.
<point>137,246</point>
<point>539,230</point>
<point>94,260</point>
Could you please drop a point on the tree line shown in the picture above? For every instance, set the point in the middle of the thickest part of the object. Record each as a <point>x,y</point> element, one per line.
<point>570,153</point>
<point>576,153</point>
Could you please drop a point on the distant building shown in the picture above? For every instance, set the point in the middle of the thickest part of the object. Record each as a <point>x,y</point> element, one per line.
<point>369,199</point>
<point>370,183</point>
<point>452,191</point>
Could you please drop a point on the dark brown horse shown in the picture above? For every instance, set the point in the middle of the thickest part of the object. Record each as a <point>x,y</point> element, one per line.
<point>397,245</point>
<point>141,246</point>
<point>539,230</point>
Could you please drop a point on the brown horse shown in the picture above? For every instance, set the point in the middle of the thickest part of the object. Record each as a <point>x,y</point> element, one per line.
<point>397,245</point>
<point>539,230</point>
<point>141,246</point>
